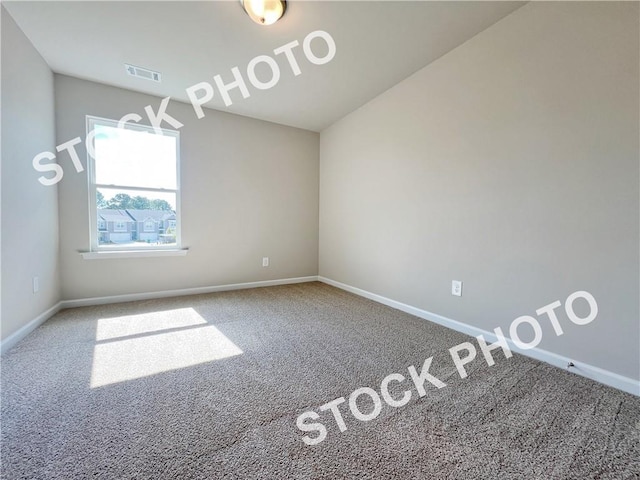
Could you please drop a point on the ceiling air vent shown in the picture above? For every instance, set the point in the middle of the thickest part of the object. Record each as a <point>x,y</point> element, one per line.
<point>143,73</point>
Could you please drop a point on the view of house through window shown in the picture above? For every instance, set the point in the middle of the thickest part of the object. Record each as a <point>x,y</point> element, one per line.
<point>134,187</point>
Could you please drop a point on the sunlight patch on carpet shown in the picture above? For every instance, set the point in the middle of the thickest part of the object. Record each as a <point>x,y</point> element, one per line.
<point>149,349</point>
<point>109,328</point>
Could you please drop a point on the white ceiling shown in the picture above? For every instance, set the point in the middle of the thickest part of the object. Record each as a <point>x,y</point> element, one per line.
<point>378,44</point>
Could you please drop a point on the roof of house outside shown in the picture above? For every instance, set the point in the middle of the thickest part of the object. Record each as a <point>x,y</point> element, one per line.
<point>111,215</point>
<point>133,215</point>
<point>157,215</point>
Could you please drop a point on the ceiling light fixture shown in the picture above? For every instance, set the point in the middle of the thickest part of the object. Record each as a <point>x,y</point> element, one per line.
<point>264,12</point>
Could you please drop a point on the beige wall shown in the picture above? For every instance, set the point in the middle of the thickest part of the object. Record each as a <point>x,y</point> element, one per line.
<point>511,164</point>
<point>249,189</point>
<point>29,210</point>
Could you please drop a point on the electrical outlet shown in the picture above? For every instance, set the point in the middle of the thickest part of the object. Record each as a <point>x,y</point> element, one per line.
<point>265,261</point>
<point>36,284</point>
<point>456,288</point>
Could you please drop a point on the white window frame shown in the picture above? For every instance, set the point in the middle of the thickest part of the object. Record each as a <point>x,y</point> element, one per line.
<point>117,226</point>
<point>102,225</point>
<point>113,251</point>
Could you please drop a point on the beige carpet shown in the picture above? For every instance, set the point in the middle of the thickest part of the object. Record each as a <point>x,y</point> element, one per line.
<point>210,387</point>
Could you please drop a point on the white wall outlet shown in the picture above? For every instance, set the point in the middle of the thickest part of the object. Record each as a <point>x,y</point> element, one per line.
<point>456,288</point>
<point>265,261</point>
<point>36,284</point>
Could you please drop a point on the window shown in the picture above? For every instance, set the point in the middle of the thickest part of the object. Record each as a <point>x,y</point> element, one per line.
<point>133,179</point>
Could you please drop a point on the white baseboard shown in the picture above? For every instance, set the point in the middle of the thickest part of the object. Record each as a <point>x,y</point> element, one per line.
<point>132,297</point>
<point>597,374</point>
<point>15,337</point>
<point>594,373</point>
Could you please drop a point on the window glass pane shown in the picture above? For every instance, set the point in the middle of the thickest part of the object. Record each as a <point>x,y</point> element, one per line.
<point>134,158</point>
<point>134,218</point>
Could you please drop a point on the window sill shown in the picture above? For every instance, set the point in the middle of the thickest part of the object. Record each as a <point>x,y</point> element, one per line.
<point>103,255</point>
